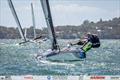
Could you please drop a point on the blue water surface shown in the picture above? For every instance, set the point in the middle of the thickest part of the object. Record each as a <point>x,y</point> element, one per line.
<point>20,59</point>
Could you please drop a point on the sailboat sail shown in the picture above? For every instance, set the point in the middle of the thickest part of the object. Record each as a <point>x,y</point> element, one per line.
<point>25,33</point>
<point>47,13</point>
<point>33,20</point>
<point>16,19</point>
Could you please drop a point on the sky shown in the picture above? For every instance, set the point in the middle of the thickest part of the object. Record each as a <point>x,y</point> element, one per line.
<point>64,12</point>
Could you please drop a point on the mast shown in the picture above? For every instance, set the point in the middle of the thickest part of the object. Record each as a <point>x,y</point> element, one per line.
<point>25,33</point>
<point>33,20</point>
<point>16,19</point>
<point>48,18</point>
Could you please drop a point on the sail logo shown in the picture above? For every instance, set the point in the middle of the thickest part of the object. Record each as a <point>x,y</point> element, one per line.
<point>48,77</point>
<point>115,77</point>
<point>28,77</point>
<point>97,77</point>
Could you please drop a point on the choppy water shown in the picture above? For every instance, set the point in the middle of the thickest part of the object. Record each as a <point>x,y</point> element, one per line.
<point>20,60</point>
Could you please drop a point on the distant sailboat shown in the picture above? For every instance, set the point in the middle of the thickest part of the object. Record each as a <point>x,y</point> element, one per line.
<point>17,20</point>
<point>33,20</point>
<point>25,33</point>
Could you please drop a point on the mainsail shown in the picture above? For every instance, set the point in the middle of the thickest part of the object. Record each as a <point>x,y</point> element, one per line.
<point>47,13</point>
<point>16,19</point>
<point>33,20</point>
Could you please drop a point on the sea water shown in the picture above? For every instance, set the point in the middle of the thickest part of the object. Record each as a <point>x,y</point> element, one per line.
<point>20,59</point>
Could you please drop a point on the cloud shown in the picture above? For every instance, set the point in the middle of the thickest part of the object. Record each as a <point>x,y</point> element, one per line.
<point>62,14</point>
<point>74,14</point>
<point>74,8</point>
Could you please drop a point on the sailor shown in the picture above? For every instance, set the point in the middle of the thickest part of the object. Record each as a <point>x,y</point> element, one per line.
<point>89,41</point>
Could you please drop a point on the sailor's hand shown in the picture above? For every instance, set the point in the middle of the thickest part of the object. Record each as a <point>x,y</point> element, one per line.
<point>69,45</point>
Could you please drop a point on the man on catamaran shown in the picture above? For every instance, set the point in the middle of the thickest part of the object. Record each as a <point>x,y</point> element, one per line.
<point>89,41</point>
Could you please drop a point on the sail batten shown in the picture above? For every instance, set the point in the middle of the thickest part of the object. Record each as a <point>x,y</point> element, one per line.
<point>48,18</point>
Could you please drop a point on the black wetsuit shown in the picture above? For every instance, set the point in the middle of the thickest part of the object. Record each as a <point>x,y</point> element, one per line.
<point>94,40</point>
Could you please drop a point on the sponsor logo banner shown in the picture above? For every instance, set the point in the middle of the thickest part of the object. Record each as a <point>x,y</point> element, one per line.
<point>58,77</point>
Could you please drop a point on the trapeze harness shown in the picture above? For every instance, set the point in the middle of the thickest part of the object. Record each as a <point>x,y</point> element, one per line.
<point>93,42</point>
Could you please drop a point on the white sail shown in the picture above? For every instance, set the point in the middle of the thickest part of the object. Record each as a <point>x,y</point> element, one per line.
<point>16,19</point>
<point>33,20</point>
<point>25,33</point>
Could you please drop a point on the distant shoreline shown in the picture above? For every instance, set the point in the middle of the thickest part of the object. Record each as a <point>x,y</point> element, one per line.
<point>61,39</point>
<point>104,29</point>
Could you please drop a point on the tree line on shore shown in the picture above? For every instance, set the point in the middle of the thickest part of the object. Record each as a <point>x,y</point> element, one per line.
<point>109,29</point>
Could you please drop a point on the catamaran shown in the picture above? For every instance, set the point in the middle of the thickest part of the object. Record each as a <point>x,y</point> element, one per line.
<point>17,20</point>
<point>23,34</point>
<point>55,49</point>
